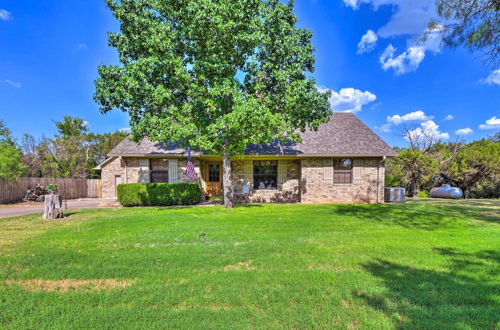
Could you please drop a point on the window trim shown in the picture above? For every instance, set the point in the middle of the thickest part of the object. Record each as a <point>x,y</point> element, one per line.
<point>344,171</point>
<point>151,171</point>
<point>273,175</point>
<point>218,173</point>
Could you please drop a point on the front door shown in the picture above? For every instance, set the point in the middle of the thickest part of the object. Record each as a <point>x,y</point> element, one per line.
<point>214,179</point>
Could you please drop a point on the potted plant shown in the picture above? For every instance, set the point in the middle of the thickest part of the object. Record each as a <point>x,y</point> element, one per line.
<point>52,188</point>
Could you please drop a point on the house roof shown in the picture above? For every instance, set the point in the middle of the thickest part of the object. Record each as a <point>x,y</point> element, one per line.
<point>148,148</point>
<point>343,135</point>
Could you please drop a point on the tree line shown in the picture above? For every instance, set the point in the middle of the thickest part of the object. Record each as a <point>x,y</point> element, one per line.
<point>72,152</point>
<point>474,167</point>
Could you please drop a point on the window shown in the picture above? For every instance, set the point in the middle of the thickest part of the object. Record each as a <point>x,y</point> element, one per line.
<point>214,173</point>
<point>342,171</point>
<point>265,174</point>
<point>159,170</point>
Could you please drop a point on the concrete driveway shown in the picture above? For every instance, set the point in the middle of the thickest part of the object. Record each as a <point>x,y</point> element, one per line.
<point>23,209</point>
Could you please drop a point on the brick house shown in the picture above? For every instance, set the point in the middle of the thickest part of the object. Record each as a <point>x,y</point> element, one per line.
<point>341,162</point>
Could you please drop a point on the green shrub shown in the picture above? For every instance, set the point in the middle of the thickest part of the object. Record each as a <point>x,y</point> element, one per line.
<point>159,194</point>
<point>423,194</point>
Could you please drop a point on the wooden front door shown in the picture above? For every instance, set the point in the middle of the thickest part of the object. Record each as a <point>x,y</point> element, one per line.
<point>213,177</point>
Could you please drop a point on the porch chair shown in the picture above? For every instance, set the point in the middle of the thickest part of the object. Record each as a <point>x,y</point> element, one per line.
<point>243,196</point>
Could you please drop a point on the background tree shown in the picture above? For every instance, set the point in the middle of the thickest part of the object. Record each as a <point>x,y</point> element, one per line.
<point>69,152</point>
<point>474,24</point>
<point>414,168</point>
<point>11,166</point>
<point>472,164</point>
<point>35,154</point>
<point>474,167</point>
<point>72,153</point>
<point>213,75</point>
<point>102,144</point>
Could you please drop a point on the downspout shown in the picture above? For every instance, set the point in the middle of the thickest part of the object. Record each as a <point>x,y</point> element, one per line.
<point>378,182</point>
<point>126,171</point>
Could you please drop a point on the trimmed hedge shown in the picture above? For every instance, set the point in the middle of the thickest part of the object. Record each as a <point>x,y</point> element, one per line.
<point>159,194</point>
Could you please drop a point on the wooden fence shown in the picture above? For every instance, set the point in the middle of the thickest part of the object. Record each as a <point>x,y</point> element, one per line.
<point>14,191</point>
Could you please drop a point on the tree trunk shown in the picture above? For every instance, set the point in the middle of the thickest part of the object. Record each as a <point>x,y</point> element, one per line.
<point>413,190</point>
<point>226,180</point>
<point>53,207</point>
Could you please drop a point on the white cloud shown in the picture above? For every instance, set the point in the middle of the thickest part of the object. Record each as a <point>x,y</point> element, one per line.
<point>385,128</point>
<point>493,78</point>
<point>350,99</point>
<point>418,115</point>
<point>492,123</point>
<point>354,4</point>
<point>5,15</point>
<point>405,62</point>
<point>367,42</point>
<point>428,129</point>
<point>410,59</point>
<point>125,130</point>
<point>464,131</point>
<point>410,17</point>
<point>14,84</point>
<point>82,46</point>
<point>449,117</point>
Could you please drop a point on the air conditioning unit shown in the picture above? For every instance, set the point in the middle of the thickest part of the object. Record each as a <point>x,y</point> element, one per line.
<point>394,195</point>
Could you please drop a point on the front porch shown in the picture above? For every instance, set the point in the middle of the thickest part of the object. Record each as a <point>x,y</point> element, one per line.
<point>270,180</point>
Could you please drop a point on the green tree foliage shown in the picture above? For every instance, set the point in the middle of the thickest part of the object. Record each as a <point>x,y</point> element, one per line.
<point>71,126</point>
<point>474,167</point>
<point>473,164</point>
<point>413,168</point>
<point>11,166</point>
<point>213,75</point>
<point>474,24</point>
<point>72,153</point>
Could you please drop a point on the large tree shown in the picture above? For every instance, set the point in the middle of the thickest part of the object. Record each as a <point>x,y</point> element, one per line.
<point>11,166</point>
<point>414,167</point>
<point>213,75</point>
<point>474,24</point>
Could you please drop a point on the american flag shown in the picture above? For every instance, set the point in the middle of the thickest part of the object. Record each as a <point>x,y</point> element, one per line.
<point>190,166</point>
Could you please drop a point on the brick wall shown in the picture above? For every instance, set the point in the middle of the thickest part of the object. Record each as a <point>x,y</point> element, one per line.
<point>315,188</point>
<point>108,174</point>
<point>304,182</point>
<point>131,170</point>
<point>182,170</point>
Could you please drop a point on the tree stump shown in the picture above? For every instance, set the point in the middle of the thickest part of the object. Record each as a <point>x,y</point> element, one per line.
<point>53,207</point>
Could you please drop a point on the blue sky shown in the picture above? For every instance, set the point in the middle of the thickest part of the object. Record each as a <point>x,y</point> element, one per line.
<point>50,50</point>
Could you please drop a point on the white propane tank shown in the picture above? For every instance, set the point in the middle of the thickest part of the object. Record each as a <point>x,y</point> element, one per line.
<point>446,191</point>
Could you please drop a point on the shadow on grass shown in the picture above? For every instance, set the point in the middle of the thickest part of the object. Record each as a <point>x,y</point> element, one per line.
<point>465,296</point>
<point>247,205</point>
<point>424,216</point>
<point>181,207</point>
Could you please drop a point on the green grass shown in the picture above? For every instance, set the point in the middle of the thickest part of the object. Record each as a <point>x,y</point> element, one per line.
<point>426,264</point>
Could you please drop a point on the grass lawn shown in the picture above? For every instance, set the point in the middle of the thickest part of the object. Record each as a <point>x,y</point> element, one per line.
<point>426,264</point>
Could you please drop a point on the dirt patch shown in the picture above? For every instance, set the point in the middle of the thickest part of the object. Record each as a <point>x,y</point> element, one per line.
<point>354,324</point>
<point>346,303</point>
<point>244,265</point>
<point>21,204</point>
<point>64,285</point>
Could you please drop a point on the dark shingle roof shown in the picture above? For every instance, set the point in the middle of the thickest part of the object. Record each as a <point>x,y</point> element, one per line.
<point>343,135</point>
<point>146,147</point>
